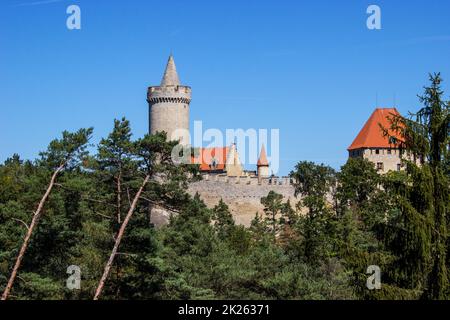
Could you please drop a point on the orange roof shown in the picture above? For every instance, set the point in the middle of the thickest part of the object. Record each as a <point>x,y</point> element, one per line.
<point>371,135</point>
<point>262,161</point>
<point>211,159</point>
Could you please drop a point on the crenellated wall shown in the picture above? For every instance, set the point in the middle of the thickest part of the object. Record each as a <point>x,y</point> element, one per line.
<point>248,180</point>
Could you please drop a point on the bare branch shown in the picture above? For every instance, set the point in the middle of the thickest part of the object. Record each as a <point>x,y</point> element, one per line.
<point>103,215</point>
<point>23,222</point>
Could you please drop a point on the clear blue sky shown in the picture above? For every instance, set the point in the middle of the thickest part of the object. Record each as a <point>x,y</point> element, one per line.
<point>310,68</point>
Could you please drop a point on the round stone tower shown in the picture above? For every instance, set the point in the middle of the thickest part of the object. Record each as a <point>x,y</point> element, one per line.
<point>169,106</point>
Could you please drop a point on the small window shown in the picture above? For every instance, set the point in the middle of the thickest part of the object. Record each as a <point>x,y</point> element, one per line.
<point>380,166</point>
<point>377,151</point>
<point>213,164</point>
<point>392,140</point>
<point>389,151</point>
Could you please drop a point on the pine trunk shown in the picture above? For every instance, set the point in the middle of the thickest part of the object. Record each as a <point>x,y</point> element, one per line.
<point>119,239</point>
<point>30,230</point>
<point>119,195</point>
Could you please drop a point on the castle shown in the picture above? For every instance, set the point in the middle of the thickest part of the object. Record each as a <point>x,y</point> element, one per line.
<point>169,111</point>
<point>223,174</point>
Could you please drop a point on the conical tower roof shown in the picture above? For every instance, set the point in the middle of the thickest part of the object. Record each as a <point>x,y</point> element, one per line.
<point>170,77</point>
<point>262,161</point>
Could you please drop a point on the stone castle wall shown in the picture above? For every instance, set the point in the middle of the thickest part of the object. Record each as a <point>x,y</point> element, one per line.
<point>242,194</point>
<point>390,158</point>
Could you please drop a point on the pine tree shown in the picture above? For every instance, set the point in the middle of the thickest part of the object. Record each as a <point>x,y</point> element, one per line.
<point>163,183</point>
<point>62,154</point>
<point>223,220</point>
<point>273,204</point>
<point>115,161</point>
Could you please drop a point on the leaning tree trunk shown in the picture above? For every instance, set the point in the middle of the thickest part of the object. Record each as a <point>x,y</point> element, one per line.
<point>119,196</point>
<point>108,266</point>
<point>26,241</point>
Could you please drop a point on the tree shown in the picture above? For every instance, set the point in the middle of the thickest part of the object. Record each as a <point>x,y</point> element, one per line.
<point>421,231</point>
<point>98,292</point>
<point>115,160</point>
<point>288,221</point>
<point>224,222</point>
<point>358,180</point>
<point>314,182</point>
<point>63,154</point>
<point>273,204</point>
<point>166,181</point>
<point>258,227</point>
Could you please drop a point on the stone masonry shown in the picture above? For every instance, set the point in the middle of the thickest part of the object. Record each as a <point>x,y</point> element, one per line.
<point>169,106</point>
<point>242,194</point>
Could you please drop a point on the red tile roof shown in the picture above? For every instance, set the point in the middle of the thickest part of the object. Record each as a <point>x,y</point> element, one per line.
<point>206,157</point>
<point>371,135</point>
<point>262,161</point>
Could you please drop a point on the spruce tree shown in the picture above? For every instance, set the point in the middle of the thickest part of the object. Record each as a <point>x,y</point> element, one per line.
<point>420,235</point>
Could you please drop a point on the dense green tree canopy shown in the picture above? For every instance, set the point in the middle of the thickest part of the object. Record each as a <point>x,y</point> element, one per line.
<point>97,215</point>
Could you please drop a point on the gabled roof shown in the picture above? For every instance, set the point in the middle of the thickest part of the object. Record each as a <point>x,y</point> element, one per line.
<point>211,159</point>
<point>170,77</point>
<point>262,161</point>
<point>371,135</point>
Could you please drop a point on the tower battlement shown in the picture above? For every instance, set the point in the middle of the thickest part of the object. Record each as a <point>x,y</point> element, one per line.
<point>170,92</point>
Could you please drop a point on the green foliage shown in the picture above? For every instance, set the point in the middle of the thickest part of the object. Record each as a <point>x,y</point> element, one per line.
<point>272,207</point>
<point>68,150</point>
<point>358,181</point>
<point>317,248</point>
<point>419,230</point>
<point>223,220</point>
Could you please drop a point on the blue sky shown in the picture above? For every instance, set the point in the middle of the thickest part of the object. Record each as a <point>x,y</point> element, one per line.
<point>309,68</point>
